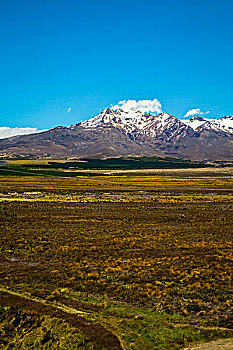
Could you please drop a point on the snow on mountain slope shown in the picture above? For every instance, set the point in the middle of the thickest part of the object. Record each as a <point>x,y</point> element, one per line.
<point>166,126</point>
<point>195,122</point>
<point>136,123</point>
<point>129,120</point>
<point>224,124</point>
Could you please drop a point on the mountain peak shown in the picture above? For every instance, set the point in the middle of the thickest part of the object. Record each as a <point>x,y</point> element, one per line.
<point>138,124</point>
<point>108,111</point>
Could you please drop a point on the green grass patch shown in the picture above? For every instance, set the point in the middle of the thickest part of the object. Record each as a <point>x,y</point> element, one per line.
<point>122,163</point>
<point>16,170</point>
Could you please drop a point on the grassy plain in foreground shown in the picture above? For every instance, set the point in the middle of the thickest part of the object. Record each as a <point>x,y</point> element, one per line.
<point>152,252</point>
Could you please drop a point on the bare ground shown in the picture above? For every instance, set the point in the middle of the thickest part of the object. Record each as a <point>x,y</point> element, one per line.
<point>221,344</point>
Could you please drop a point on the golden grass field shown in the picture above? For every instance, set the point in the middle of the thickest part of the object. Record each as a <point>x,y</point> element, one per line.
<point>158,240</point>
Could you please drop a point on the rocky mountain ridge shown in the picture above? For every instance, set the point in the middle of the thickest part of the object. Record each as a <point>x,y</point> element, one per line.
<point>136,123</point>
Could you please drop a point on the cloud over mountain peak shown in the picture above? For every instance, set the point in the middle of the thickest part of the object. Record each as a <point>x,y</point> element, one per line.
<point>146,106</point>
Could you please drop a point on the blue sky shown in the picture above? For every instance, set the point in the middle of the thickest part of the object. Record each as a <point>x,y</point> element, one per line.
<point>87,55</point>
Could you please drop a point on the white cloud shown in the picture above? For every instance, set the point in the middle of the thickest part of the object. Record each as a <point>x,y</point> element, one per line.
<point>141,105</point>
<point>69,109</point>
<point>8,132</point>
<point>194,112</point>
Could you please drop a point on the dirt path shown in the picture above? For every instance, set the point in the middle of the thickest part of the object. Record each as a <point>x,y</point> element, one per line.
<point>102,337</point>
<point>71,314</point>
<point>221,344</point>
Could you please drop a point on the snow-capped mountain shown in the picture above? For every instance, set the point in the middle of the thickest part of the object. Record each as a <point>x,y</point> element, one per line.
<point>128,121</point>
<point>137,124</point>
<point>114,133</point>
<point>224,124</point>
